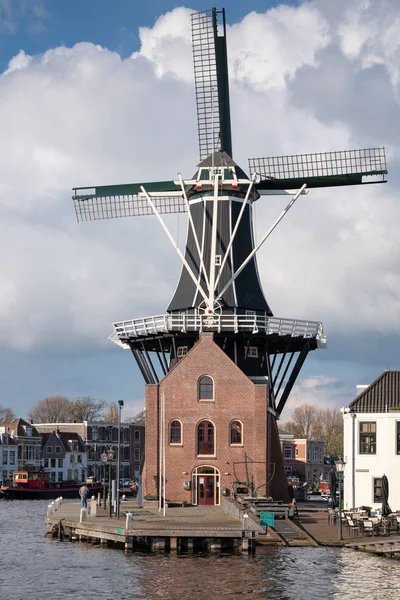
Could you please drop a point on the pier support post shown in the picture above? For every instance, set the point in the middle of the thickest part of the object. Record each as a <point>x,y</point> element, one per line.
<point>173,544</point>
<point>215,545</point>
<point>128,544</point>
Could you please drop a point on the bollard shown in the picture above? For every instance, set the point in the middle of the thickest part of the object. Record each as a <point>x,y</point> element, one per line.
<point>93,507</point>
<point>123,498</point>
<point>49,511</point>
<point>53,504</point>
<point>99,499</point>
<point>83,515</point>
<point>129,521</point>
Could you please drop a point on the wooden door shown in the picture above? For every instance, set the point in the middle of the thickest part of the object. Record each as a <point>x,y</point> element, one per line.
<point>205,490</point>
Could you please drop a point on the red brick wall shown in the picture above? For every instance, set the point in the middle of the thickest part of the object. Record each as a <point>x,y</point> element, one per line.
<point>235,398</point>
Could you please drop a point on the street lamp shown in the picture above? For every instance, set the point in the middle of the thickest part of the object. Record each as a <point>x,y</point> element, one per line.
<point>340,465</point>
<point>104,459</point>
<point>110,456</point>
<point>120,405</point>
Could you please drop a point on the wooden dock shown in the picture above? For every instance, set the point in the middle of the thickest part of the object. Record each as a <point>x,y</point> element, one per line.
<point>183,529</point>
<point>388,546</point>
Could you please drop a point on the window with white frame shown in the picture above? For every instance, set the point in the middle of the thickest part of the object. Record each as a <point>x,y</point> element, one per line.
<point>60,463</point>
<point>5,457</point>
<point>252,352</point>
<point>12,457</point>
<point>58,449</point>
<point>60,476</point>
<point>288,468</point>
<point>69,474</point>
<point>182,351</point>
<point>250,313</point>
<point>175,432</point>
<point>297,452</point>
<point>236,433</point>
<point>136,454</point>
<point>287,451</point>
<point>367,437</point>
<point>49,449</point>
<point>315,454</point>
<point>218,260</point>
<point>136,436</point>
<point>206,388</point>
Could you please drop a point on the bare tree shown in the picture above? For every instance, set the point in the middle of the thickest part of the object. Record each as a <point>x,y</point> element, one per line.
<point>112,415</point>
<point>87,408</point>
<point>302,424</point>
<point>324,424</point>
<point>54,409</point>
<point>139,419</point>
<point>6,413</point>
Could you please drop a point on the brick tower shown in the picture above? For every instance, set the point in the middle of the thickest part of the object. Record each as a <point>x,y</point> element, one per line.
<point>218,366</point>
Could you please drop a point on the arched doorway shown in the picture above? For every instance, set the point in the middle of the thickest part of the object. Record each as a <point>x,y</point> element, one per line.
<point>205,486</point>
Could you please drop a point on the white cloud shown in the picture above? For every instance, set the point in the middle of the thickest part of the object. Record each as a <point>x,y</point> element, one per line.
<point>83,116</point>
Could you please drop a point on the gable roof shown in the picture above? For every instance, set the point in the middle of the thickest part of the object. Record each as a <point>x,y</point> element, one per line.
<point>18,428</point>
<point>382,395</point>
<point>63,438</point>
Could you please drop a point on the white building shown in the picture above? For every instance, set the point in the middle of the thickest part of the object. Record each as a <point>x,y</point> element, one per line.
<point>64,456</point>
<point>9,455</point>
<point>372,443</point>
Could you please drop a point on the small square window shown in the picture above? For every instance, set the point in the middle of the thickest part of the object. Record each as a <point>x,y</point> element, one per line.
<point>49,449</point>
<point>182,350</point>
<point>136,436</point>
<point>218,260</point>
<point>252,352</point>
<point>250,313</point>
<point>58,449</point>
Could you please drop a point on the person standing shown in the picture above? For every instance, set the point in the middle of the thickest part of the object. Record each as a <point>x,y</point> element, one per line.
<point>84,492</point>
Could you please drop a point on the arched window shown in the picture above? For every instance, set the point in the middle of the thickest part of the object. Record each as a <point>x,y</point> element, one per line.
<point>236,432</point>
<point>175,432</point>
<point>206,388</point>
<point>205,438</point>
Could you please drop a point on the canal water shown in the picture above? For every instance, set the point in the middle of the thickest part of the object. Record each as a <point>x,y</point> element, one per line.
<point>34,567</point>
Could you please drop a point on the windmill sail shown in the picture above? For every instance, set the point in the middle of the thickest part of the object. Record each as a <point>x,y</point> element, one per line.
<point>326,169</point>
<point>211,82</point>
<point>127,200</point>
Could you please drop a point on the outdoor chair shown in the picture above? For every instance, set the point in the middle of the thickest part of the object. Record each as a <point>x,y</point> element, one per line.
<point>352,526</point>
<point>368,528</point>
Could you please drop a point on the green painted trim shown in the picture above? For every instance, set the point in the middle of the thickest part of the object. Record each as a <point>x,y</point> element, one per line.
<point>128,189</point>
<point>317,182</point>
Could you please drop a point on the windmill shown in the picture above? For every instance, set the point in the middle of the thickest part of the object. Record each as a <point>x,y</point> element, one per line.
<point>219,288</point>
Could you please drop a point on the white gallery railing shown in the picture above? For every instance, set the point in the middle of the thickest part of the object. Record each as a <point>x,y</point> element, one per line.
<point>133,328</point>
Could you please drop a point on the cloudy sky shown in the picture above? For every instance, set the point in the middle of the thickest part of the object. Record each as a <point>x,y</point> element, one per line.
<point>100,92</point>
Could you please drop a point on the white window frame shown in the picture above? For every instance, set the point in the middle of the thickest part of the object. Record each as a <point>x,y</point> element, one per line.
<point>218,260</point>
<point>181,351</point>
<point>252,352</point>
<point>287,448</point>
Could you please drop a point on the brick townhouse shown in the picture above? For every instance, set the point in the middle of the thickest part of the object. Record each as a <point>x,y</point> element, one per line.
<point>215,415</point>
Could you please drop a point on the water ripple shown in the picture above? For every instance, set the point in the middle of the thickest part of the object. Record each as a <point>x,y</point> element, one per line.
<point>36,567</point>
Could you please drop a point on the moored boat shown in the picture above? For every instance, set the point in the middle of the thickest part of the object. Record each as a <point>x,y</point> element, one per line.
<point>37,486</point>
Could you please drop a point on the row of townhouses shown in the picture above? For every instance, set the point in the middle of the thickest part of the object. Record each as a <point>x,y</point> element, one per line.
<point>71,450</point>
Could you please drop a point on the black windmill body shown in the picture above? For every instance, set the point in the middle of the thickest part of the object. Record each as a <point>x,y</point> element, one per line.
<point>219,289</point>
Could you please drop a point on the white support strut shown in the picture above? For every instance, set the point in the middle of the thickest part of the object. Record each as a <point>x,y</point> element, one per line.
<point>175,245</point>
<point>270,230</point>
<point>214,232</point>
<point>202,265</point>
<point>235,229</point>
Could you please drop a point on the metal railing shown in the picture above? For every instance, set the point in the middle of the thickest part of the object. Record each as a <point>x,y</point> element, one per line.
<point>147,326</point>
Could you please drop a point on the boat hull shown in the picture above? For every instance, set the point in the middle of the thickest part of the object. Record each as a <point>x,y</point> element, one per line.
<point>50,493</point>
